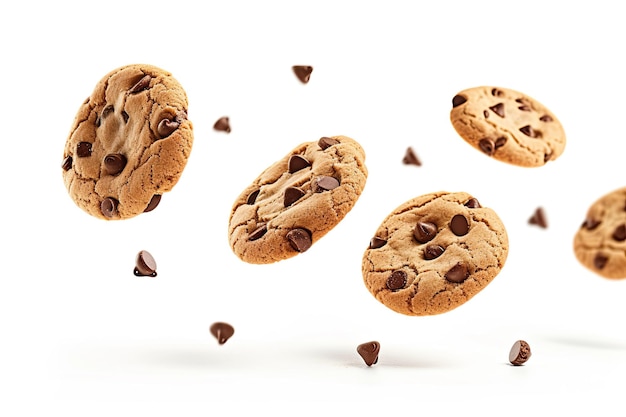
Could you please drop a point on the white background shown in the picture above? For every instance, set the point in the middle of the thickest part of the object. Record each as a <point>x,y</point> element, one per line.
<point>82,336</point>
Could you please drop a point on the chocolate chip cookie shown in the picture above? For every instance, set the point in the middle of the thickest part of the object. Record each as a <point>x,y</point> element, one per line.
<point>129,143</point>
<point>508,126</point>
<point>433,253</point>
<point>600,242</point>
<point>297,200</point>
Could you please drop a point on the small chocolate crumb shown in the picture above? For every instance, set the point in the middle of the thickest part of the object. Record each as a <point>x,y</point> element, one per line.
<point>303,72</point>
<point>222,331</point>
<point>369,352</point>
<point>539,218</point>
<point>222,124</point>
<point>145,266</point>
<point>520,353</point>
<point>410,158</point>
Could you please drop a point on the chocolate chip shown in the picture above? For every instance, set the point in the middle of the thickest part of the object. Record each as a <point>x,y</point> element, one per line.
<point>300,239</point>
<point>546,118</point>
<point>145,265</point>
<point>458,273</point>
<point>154,202</point>
<point>547,156</point>
<point>108,207</point>
<point>459,225</point>
<point>433,251</point>
<point>83,149</point>
<point>324,183</point>
<point>529,131</point>
<point>487,146</point>
<point>458,100</point>
<point>107,110</point>
<point>539,218</point>
<point>252,197</point>
<point>524,108</point>
<point>499,142</point>
<point>424,231</point>
<point>114,163</point>
<point>258,232</point>
<point>600,261</point>
<point>166,127</point>
<point>141,85</point>
<point>369,352</point>
<point>496,93</point>
<point>498,109</point>
<point>326,142</point>
<point>292,194</point>
<point>410,158</point>
<point>377,242</point>
<point>222,331</point>
<point>67,163</point>
<point>486,114</point>
<point>519,353</point>
<point>397,280</point>
<point>296,163</point>
<point>125,116</point>
<point>303,72</point>
<point>620,233</point>
<point>222,124</point>
<point>472,203</point>
<point>591,223</point>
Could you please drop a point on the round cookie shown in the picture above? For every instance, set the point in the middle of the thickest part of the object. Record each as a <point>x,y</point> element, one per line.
<point>129,143</point>
<point>508,126</point>
<point>600,242</point>
<point>433,253</point>
<point>297,200</point>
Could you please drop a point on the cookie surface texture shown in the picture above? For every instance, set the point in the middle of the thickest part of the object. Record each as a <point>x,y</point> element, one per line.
<point>128,144</point>
<point>433,253</point>
<point>508,126</point>
<point>297,200</point>
<point>600,242</point>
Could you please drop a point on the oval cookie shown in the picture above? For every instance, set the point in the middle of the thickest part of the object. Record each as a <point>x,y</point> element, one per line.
<point>600,242</point>
<point>129,143</point>
<point>297,200</point>
<point>507,125</point>
<point>433,253</point>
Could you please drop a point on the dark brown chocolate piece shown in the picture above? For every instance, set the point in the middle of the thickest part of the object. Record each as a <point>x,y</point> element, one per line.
<point>145,265</point>
<point>500,142</point>
<point>108,207</point>
<point>546,118</point>
<point>498,109</point>
<point>458,100</point>
<point>142,84</point>
<point>222,331</point>
<point>303,72</point>
<point>620,233</point>
<point>67,163</point>
<point>424,231</point>
<point>83,149</point>
<point>325,183</point>
<point>292,194</point>
<point>459,225</point>
<point>487,146</point>
<point>296,163</point>
<point>590,223</point>
<point>299,239</point>
<point>520,353</point>
<point>458,273</point>
<point>222,124</point>
<point>369,352</point>
<point>326,142</point>
<point>107,110</point>
<point>125,116</point>
<point>252,197</point>
<point>397,280</point>
<point>166,127</point>
<point>473,203</point>
<point>539,218</point>
<point>529,131</point>
<point>258,232</point>
<point>410,158</point>
<point>377,242</point>
<point>600,261</point>
<point>114,163</point>
<point>433,251</point>
<point>154,202</point>
<point>496,93</point>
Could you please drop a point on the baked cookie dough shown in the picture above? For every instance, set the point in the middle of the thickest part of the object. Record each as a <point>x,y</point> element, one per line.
<point>433,253</point>
<point>600,242</point>
<point>128,144</point>
<point>297,200</point>
<point>508,126</point>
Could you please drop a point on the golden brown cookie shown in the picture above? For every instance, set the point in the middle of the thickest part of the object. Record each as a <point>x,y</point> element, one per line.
<point>129,143</point>
<point>297,200</point>
<point>433,253</point>
<point>507,125</point>
<point>600,242</point>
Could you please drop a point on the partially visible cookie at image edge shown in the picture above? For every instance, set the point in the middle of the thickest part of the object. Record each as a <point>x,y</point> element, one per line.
<point>508,125</point>
<point>297,200</point>
<point>433,253</point>
<point>129,143</point>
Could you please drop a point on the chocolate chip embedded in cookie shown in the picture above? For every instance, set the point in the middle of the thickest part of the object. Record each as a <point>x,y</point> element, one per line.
<point>507,125</point>
<point>600,242</point>
<point>129,143</point>
<point>433,253</point>
<point>297,200</point>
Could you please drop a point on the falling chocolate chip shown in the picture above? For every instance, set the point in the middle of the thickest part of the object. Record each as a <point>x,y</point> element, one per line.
<point>108,207</point>
<point>67,163</point>
<point>114,163</point>
<point>326,142</point>
<point>296,163</point>
<point>141,85</point>
<point>433,251</point>
<point>222,331</point>
<point>410,158</point>
<point>546,118</point>
<point>600,261</point>
<point>459,225</point>
<point>458,273</point>
<point>83,149</point>
<point>539,218</point>
<point>472,203</point>
<point>369,352</point>
<point>620,233</point>
<point>498,109</point>
<point>325,183</point>
<point>222,124</point>
<point>145,265</point>
<point>529,131</point>
<point>519,353</point>
<point>299,239</point>
<point>397,280</point>
<point>258,232</point>
<point>154,202</point>
<point>424,231</point>
<point>377,242</point>
<point>292,194</point>
<point>487,146</point>
<point>166,127</point>
<point>458,100</point>
<point>252,197</point>
<point>303,72</point>
<point>496,93</point>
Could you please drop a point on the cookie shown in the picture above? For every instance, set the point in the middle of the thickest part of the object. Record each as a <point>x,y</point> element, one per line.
<point>434,253</point>
<point>600,242</point>
<point>297,200</point>
<point>128,144</point>
<point>508,126</point>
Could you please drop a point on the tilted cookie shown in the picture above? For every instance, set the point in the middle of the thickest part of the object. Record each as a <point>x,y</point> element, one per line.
<point>297,200</point>
<point>433,253</point>
<point>507,125</point>
<point>129,143</point>
<point>600,242</point>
